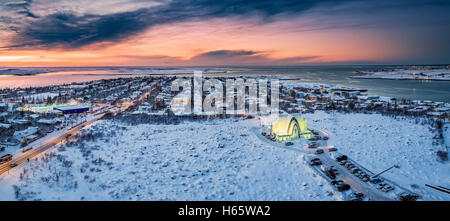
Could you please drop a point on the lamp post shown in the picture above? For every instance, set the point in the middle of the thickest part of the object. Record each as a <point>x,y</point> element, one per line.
<point>394,166</point>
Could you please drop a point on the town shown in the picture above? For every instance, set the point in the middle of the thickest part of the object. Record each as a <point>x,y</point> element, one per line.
<point>33,120</point>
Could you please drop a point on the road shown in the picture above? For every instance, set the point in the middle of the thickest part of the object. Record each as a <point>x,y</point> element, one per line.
<point>55,138</point>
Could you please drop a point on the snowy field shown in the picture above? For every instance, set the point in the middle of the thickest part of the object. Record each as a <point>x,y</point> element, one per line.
<point>222,159</point>
<point>205,160</point>
<point>378,142</point>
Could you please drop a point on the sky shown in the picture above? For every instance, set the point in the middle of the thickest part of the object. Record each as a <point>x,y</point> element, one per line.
<point>221,33</point>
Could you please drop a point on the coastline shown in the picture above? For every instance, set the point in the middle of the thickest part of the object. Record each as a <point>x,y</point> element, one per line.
<point>408,79</point>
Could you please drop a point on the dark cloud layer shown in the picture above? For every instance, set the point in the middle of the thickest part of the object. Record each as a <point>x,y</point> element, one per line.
<point>70,30</point>
<point>21,7</point>
<point>220,57</point>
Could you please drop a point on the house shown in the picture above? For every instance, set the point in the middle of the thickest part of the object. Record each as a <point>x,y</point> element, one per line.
<point>6,130</point>
<point>48,122</point>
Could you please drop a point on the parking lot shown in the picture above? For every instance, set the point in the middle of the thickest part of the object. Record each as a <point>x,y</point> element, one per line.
<point>345,175</point>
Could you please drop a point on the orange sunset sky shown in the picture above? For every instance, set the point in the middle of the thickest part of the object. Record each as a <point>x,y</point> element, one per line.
<point>174,33</point>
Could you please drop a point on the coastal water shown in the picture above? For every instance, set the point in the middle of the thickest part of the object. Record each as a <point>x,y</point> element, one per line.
<point>339,75</point>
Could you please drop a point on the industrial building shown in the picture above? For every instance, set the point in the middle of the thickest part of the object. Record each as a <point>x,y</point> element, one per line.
<point>72,109</point>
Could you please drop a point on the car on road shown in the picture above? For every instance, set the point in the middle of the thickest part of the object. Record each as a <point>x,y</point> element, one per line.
<point>14,164</point>
<point>5,158</point>
<point>289,143</point>
<point>332,149</point>
<point>318,151</point>
<point>28,149</point>
<point>315,161</point>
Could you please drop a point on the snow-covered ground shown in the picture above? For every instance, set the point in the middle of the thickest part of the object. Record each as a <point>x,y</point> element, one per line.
<point>206,160</point>
<point>446,134</point>
<point>405,74</point>
<point>378,142</point>
<point>223,159</point>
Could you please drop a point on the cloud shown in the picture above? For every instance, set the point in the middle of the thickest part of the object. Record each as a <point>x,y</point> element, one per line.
<point>226,54</point>
<point>21,7</point>
<point>245,57</point>
<point>214,58</point>
<point>70,30</point>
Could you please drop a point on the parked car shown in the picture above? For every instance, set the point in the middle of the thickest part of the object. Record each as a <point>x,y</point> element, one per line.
<point>14,164</point>
<point>356,196</point>
<point>343,162</point>
<point>289,143</point>
<point>342,187</point>
<point>350,166</point>
<point>332,149</point>
<point>325,138</point>
<point>315,161</point>
<point>387,188</point>
<point>341,158</point>
<point>408,197</point>
<point>318,151</point>
<point>380,186</point>
<point>334,182</point>
<point>313,145</point>
<point>331,174</point>
<point>365,178</point>
<point>315,138</point>
<point>264,133</point>
<point>375,180</point>
<point>355,170</point>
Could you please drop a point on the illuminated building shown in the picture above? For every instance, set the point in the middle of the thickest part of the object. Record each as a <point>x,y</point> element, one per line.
<point>287,128</point>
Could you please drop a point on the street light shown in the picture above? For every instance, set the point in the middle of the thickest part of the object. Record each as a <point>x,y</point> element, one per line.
<point>394,166</point>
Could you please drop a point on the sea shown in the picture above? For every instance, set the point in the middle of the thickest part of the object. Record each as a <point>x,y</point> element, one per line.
<point>335,75</point>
